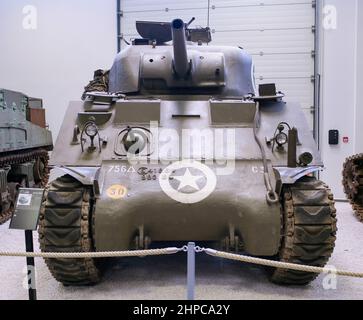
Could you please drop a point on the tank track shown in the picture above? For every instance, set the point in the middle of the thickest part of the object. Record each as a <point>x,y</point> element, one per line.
<point>18,158</point>
<point>66,225</point>
<point>310,227</point>
<point>353,183</point>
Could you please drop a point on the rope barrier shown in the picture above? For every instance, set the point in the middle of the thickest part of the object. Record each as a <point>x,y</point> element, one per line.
<point>173,250</point>
<point>82,255</point>
<point>281,265</point>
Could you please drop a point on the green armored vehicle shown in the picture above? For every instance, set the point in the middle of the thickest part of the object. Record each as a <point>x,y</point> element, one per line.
<point>24,146</point>
<point>353,183</point>
<point>181,146</point>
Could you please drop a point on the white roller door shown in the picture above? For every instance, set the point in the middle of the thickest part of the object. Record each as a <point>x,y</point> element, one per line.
<point>278,33</point>
<point>160,10</point>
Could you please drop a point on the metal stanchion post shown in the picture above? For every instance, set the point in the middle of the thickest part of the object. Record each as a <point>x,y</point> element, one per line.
<point>191,271</point>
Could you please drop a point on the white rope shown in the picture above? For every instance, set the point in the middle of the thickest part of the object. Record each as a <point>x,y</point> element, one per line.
<point>279,264</point>
<point>80,255</point>
<point>169,251</point>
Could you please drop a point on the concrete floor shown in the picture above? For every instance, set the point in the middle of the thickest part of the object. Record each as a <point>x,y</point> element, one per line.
<point>165,277</point>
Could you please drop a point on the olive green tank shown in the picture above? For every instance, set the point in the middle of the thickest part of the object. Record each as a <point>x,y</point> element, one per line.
<point>175,143</point>
<point>24,145</point>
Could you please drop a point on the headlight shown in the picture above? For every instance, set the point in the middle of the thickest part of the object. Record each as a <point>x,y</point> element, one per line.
<point>305,159</point>
<point>91,130</point>
<point>281,139</point>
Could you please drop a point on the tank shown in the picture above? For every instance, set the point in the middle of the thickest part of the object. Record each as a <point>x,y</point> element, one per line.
<point>181,146</point>
<point>24,145</point>
<point>353,183</point>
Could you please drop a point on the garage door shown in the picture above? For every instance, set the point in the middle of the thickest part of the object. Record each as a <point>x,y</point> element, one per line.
<point>278,33</point>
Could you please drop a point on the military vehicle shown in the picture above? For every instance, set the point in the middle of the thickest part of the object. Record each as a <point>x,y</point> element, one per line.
<point>353,183</point>
<point>131,169</point>
<point>24,145</point>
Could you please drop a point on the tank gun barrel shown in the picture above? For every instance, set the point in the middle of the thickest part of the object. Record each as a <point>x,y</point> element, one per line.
<point>180,63</point>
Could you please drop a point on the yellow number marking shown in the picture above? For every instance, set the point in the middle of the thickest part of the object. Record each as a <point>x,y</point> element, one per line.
<point>116,191</point>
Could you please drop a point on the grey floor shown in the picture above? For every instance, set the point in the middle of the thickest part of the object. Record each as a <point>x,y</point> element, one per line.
<point>165,277</point>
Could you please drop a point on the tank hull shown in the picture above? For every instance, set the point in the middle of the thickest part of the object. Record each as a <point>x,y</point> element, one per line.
<point>239,199</point>
<point>24,146</point>
<point>238,202</point>
<point>22,123</point>
<point>172,113</point>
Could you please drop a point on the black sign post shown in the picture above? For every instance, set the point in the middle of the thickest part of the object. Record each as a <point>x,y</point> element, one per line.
<point>30,265</point>
<point>26,217</point>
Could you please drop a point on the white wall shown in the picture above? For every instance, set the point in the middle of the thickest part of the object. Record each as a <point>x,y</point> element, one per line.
<point>340,93</point>
<point>56,61</point>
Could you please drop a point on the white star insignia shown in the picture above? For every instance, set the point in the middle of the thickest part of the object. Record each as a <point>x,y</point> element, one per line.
<point>188,180</point>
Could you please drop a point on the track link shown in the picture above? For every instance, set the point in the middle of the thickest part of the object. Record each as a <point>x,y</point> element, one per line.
<point>39,155</point>
<point>6,215</point>
<point>310,227</point>
<point>353,183</point>
<point>66,226</point>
